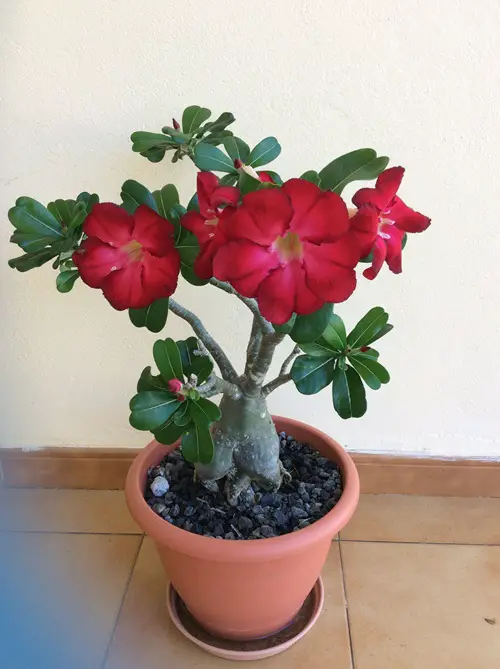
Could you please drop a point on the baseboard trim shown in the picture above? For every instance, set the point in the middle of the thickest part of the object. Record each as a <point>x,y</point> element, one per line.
<point>106,469</point>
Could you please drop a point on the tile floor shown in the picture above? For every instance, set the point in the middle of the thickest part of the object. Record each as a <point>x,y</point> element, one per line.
<point>414,582</point>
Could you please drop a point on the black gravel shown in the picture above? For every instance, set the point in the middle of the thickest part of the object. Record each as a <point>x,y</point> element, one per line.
<point>314,490</point>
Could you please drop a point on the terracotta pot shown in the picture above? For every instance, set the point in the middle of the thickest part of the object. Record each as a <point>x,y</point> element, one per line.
<point>245,589</point>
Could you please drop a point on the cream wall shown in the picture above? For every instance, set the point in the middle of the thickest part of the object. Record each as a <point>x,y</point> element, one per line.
<point>419,81</point>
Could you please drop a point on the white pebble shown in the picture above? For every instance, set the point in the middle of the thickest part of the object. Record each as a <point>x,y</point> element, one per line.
<point>160,486</point>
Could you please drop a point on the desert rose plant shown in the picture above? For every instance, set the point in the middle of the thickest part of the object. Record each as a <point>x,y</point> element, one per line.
<point>289,250</point>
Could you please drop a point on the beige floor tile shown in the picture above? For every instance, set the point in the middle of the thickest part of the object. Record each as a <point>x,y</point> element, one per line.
<point>463,520</point>
<point>145,637</point>
<point>65,511</point>
<point>418,606</point>
<point>60,596</point>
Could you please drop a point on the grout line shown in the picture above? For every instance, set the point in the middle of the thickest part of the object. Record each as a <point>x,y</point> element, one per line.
<point>105,534</point>
<point>415,543</point>
<point>346,606</point>
<point>125,591</point>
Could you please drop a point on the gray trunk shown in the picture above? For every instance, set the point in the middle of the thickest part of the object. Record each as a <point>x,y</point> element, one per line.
<point>246,447</point>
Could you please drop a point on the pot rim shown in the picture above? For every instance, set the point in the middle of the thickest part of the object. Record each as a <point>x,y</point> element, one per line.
<point>209,548</point>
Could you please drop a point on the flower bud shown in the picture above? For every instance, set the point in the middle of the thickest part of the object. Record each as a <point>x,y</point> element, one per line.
<point>364,349</point>
<point>238,164</point>
<point>175,386</point>
<point>176,124</point>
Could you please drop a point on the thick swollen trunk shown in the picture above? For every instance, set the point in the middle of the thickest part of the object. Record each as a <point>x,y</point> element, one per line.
<point>246,447</point>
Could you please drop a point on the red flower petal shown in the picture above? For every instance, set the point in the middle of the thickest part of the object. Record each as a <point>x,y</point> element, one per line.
<point>206,183</point>
<point>364,228</point>
<point>408,219</point>
<point>203,265</point>
<point>319,216</point>
<point>96,260</point>
<point>285,292</point>
<point>330,269</point>
<point>152,231</point>
<point>265,177</point>
<point>389,182</point>
<point>123,288</point>
<point>195,222</point>
<point>228,195</point>
<point>394,246</point>
<point>263,216</point>
<point>109,223</point>
<point>159,275</point>
<point>379,254</point>
<point>244,264</point>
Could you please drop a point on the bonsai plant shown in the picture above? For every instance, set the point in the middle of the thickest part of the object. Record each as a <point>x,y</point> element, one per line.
<point>289,251</point>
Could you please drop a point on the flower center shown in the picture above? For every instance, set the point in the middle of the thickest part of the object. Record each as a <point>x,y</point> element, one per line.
<point>134,250</point>
<point>383,220</point>
<point>212,224</point>
<point>289,247</point>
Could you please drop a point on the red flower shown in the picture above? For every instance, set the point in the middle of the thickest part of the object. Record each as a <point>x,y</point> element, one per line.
<point>131,258</point>
<point>382,220</point>
<point>205,224</point>
<point>287,247</point>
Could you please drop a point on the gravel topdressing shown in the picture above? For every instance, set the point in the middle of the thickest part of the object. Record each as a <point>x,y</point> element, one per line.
<point>314,490</point>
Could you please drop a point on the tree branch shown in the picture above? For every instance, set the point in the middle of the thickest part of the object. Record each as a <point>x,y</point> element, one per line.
<point>227,370</point>
<point>276,383</point>
<point>253,345</point>
<point>215,386</point>
<point>288,361</point>
<point>257,373</point>
<point>264,324</point>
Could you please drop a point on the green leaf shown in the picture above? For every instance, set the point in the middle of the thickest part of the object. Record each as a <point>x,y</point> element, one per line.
<point>134,194</point>
<point>236,148</point>
<point>274,176</point>
<point>357,165</point>
<point>191,277</point>
<point>193,204</point>
<point>152,317</point>
<point>165,199</point>
<point>150,409</point>
<point>154,155</point>
<point>168,359</point>
<point>169,432</point>
<point>369,353</point>
<point>229,179</point>
<point>31,260</point>
<point>217,138</point>
<point>308,328</point>
<point>206,411</point>
<point>144,141</point>
<point>312,176</point>
<point>335,334</point>
<point>202,366</point>
<point>381,333</point>
<point>248,184</point>
<point>88,199</point>
<point>193,117</point>
<point>188,247</point>
<point>182,416</point>
<point>265,152</point>
<point>287,327</point>
<point>371,371</point>
<point>197,444</point>
<point>66,280</point>
<point>211,159</point>
<point>31,217</point>
<point>367,328</point>
<point>312,374</point>
<point>348,393</point>
<point>186,349</point>
<point>79,215</point>
<point>149,382</point>
<point>30,243</point>
<point>62,210</point>
<point>217,126</point>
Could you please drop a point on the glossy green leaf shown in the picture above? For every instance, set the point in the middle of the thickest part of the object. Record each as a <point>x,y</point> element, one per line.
<point>266,151</point>
<point>88,199</point>
<point>149,382</point>
<point>371,371</point>
<point>218,126</point>
<point>312,176</point>
<point>31,260</point>
<point>319,348</point>
<point>193,117</point>
<point>182,416</point>
<point>202,366</point>
<point>165,199</point>
<point>169,432</point>
<point>29,242</point>
<point>236,148</point>
<point>168,359</point>
<point>191,277</point>
<point>134,194</point>
<point>368,327</point>
<point>381,333</point>
<point>312,374</point>
<point>335,333</point>
<point>287,327</point>
<point>369,353</point>
<point>217,138</point>
<point>152,317</point>
<point>248,184</point>
<point>193,204</point>
<point>150,409</point>
<point>309,328</point>
<point>211,159</point>
<point>357,165</point>
<point>145,141</point>
<point>62,210</point>
<point>274,176</point>
<point>154,155</point>
<point>186,349</point>
<point>208,409</point>
<point>66,280</point>
<point>229,179</point>
<point>348,393</point>
<point>188,247</point>
<point>197,444</point>
<point>31,217</point>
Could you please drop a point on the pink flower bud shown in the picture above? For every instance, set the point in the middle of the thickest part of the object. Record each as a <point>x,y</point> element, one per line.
<point>364,349</point>
<point>174,385</point>
<point>238,164</point>
<point>176,124</point>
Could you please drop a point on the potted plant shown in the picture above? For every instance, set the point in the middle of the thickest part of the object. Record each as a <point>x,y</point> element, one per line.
<point>242,507</point>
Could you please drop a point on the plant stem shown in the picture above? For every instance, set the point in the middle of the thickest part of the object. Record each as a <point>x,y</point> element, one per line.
<point>257,373</point>
<point>287,361</point>
<point>215,386</point>
<point>227,370</point>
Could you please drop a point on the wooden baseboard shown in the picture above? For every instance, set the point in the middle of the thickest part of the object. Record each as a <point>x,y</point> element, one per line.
<point>106,469</point>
